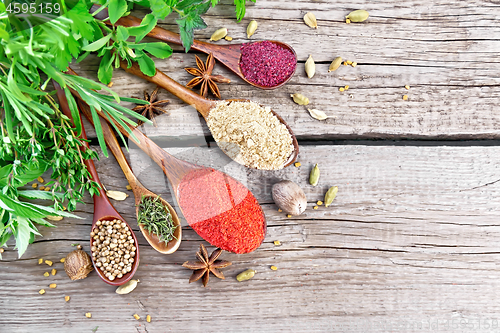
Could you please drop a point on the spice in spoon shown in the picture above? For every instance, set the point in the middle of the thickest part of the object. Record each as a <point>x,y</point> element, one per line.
<point>267,64</point>
<point>156,218</point>
<point>250,134</point>
<point>221,210</point>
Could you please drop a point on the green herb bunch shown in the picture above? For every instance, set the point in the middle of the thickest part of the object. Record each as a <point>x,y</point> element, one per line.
<point>156,218</point>
<point>35,136</point>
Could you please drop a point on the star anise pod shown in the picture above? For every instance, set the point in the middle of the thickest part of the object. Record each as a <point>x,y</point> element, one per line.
<point>153,109</point>
<point>204,77</point>
<point>205,265</point>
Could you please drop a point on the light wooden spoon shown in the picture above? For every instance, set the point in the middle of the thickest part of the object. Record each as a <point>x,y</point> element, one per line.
<point>139,190</point>
<point>202,104</point>
<point>103,209</point>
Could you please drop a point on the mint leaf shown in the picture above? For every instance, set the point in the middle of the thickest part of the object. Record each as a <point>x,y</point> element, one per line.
<point>240,8</point>
<point>184,4</point>
<point>188,24</point>
<point>116,9</point>
<point>159,50</point>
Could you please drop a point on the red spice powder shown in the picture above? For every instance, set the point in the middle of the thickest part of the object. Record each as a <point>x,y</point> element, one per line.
<point>266,63</point>
<point>222,211</point>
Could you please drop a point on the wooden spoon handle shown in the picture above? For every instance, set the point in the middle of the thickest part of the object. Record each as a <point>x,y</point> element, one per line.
<point>173,168</point>
<point>102,206</point>
<point>114,146</point>
<point>201,104</point>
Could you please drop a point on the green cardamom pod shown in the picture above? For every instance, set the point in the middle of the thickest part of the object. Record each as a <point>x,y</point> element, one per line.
<point>219,34</point>
<point>314,176</point>
<point>335,64</point>
<point>330,195</point>
<point>359,15</point>
<point>252,26</point>
<point>300,99</point>
<point>246,275</point>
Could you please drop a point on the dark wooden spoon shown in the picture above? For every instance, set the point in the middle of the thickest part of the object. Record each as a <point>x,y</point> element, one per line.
<point>228,54</point>
<point>202,104</point>
<point>138,189</point>
<point>103,209</point>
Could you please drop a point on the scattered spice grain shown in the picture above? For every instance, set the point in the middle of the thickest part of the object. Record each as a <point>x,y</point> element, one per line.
<point>407,87</point>
<point>274,268</point>
<point>354,64</point>
<point>341,89</point>
<point>88,315</point>
<point>228,216</point>
<point>405,97</point>
<point>315,207</point>
<point>40,261</point>
<point>319,202</point>
<point>62,260</point>
<point>280,210</point>
<point>137,317</point>
<point>40,179</point>
<point>228,38</point>
<point>42,291</point>
<point>1,250</point>
<point>67,298</point>
<point>128,187</point>
<point>48,262</point>
<point>288,215</point>
<point>52,285</point>
<point>266,63</point>
<point>148,318</point>
<point>41,188</point>
<point>277,243</point>
<point>34,185</point>
<point>297,164</point>
<point>54,271</point>
<point>46,274</point>
<point>250,134</point>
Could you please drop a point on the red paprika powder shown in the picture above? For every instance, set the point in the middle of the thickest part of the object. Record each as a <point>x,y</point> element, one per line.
<point>266,63</point>
<point>222,211</point>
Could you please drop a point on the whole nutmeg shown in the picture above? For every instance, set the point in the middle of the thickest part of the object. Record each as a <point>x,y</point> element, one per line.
<point>289,197</point>
<point>78,264</point>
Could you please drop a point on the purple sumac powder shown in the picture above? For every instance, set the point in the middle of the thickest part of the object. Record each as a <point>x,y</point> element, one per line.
<point>266,63</point>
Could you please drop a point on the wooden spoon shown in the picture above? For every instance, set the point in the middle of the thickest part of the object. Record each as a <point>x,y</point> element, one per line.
<point>202,104</point>
<point>103,209</point>
<point>139,190</point>
<point>175,169</point>
<point>228,54</point>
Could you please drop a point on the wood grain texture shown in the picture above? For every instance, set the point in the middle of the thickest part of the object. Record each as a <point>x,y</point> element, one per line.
<point>447,52</point>
<point>412,238</point>
<point>410,244</point>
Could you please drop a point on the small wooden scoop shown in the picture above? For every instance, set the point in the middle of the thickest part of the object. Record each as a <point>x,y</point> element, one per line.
<point>228,54</point>
<point>138,189</point>
<point>202,104</point>
<point>103,209</point>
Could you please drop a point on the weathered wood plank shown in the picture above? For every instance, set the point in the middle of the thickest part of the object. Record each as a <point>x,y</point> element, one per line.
<point>445,52</point>
<point>412,238</point>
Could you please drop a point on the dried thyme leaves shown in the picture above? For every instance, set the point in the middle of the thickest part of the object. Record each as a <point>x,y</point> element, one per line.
<point>156,218</point>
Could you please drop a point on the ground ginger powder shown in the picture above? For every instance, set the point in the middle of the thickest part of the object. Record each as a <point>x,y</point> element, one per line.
<point>250,134</point>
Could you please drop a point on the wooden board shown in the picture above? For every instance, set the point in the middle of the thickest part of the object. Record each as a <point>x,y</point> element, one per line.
<point>412,238</point>
<point>411,242</point>
<point>448,53</point>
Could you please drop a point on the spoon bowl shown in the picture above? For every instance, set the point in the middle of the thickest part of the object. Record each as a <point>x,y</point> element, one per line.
<point>103,209</point>
<point>220,202</point>
<point>202,104</point>
<point>228,54</point>
<point>138,189</point>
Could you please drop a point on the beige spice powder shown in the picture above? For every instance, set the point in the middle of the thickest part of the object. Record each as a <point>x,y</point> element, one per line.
<point>250,134</point>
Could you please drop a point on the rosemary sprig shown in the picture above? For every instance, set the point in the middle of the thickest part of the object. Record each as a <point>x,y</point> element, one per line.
<point>156,218</point>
